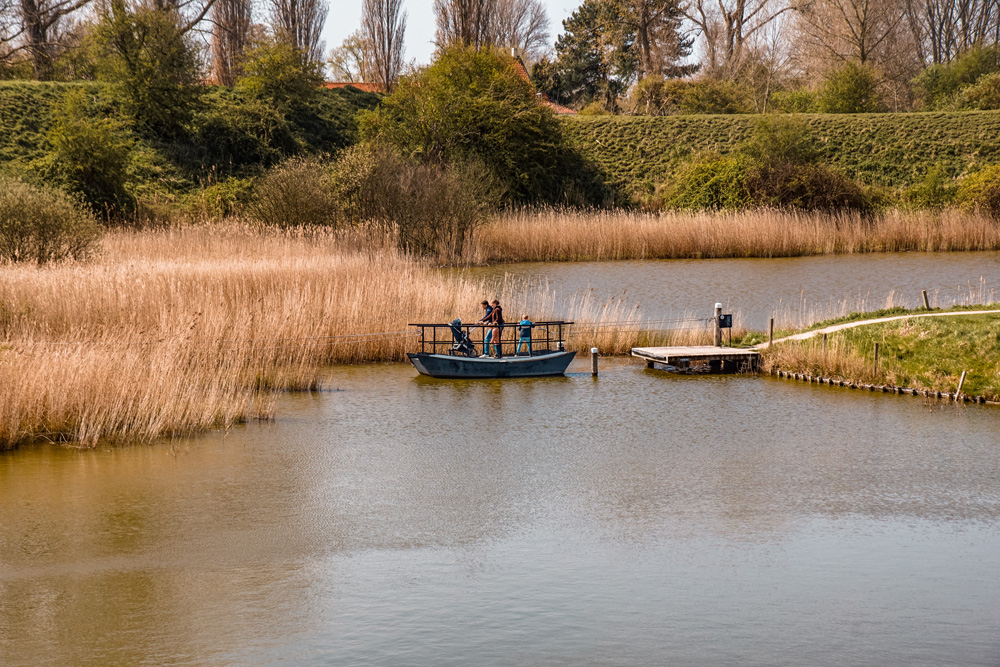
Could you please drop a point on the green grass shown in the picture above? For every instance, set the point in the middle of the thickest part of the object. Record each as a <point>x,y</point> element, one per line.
<point>892,151</point>
<point>922,353</point>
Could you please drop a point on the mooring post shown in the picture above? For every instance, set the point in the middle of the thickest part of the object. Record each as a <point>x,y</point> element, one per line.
<point>927,305</point>
<point>770,333</point>
<point>824,347</point>
<point>718,325</point>
<point>593,361</point>
<point>958,392</point>
<point>876,359</point>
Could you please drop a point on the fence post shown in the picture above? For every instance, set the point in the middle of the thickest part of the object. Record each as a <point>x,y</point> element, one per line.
<point>961,381</point>
<point>770,333</point>
<point>876,359</point>
<point>927,305</point>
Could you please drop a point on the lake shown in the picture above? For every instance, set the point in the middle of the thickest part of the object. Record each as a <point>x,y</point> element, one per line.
<point>636,519</point>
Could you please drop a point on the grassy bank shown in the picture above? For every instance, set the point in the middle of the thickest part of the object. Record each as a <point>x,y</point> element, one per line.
<point>172,332</point>
<point>919,353</point>
<point>639,153</point>
<point>614,235</point>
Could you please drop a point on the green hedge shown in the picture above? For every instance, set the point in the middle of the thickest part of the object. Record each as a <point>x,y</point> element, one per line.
<point>894,151</point>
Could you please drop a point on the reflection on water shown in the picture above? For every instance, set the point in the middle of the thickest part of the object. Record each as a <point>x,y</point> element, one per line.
<point>634,519</point>
<point>794,288</point>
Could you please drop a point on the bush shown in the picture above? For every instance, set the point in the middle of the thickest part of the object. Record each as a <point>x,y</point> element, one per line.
<point>980,191</point>
<point>278,73</point>
<point>472,106</point>
<point>296,193</point>
<point>43,225</point>
<point>851,88</point>
<point>91,156</point>
<point>152,64</point>
<point>711,96</point>
<point>227,198</point>
<point>984,95</point>
<point>939,84</point>
<point>937,191</point>
<point>800,100</point>
<point>237,132</point>
<point>595,108</point>
<point>434,209</point>
<point>775,168</point>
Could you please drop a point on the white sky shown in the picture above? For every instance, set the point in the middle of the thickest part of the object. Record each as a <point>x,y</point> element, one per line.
<point>345,18</point>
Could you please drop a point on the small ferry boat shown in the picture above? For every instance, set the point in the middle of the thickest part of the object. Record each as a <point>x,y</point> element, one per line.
<point>459,351</point>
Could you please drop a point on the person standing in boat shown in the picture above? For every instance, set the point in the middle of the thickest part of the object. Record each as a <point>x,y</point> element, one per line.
<point>496,317</point>
<point>524,335</point>
<point>488,334</point>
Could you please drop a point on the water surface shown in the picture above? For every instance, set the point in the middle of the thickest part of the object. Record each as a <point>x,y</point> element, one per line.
<point>637,519</point>
<point>789,288</point>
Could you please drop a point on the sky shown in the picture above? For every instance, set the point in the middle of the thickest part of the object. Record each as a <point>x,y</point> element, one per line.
<point>345,18</point>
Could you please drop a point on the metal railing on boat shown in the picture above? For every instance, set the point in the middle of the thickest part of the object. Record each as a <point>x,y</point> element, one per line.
<point>546,337</point>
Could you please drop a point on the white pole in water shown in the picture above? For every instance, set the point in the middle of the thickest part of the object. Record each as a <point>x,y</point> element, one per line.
<point>593,361</point>
<point>718,325</point>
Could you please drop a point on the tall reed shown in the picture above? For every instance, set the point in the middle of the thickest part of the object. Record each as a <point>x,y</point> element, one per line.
<point>557,235</point>
<point>177,330</point>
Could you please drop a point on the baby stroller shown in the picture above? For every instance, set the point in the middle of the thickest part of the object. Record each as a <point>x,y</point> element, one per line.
<point>462,344</point>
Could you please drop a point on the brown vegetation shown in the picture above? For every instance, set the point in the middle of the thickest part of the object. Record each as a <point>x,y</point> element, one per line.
<point>573,236</point>
<point>171,332</point>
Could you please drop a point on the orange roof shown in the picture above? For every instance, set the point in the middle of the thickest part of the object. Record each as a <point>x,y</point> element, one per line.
<point>368,87</point>
<point>522,72</point>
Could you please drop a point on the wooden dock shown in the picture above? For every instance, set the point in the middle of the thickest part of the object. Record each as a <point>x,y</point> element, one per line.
<point>718,359</point>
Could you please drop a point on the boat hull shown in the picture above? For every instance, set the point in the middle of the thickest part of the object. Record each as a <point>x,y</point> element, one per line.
<point>455,367</point>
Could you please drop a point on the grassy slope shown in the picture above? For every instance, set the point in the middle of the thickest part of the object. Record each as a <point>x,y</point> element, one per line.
<point>26,113</point>
<point>925,353</point>
<point>888,150</point>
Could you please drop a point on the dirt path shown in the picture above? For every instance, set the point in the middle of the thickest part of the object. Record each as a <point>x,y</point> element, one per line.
<point>850,325</point>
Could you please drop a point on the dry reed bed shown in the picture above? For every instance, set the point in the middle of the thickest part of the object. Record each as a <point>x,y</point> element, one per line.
<point>172,332</point>
<point>599,235</point>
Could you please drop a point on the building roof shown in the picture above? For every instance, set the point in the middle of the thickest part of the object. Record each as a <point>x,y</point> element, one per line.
<point>543,99</point>
<point>364,86</point>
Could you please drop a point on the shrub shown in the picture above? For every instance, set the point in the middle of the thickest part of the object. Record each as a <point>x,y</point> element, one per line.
<point>984,95</point>
<point>276,72</point>
<point>434,208</point>
<point>800,100</point>
<point>595,108</point>
<point>776,168</point>
<point>472,106</point>
<point>238,132</point>
<point>152,64</point>
<point>851,88</point>
<point>711,96</point>
<point>937,191</point>
<point>939,84</point>
<point>227,198</point>
<point>91,156</point>
<point>980,191</point>
<point>296,193</point>
<point>657,96</point>
<point>43,225</point>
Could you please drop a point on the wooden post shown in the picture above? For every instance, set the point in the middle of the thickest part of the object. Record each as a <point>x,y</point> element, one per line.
<point>961,381</point>
<point>770,333</point>
<point>927,305</point>
<point>718,325</point>
<point>593,361</point>
<point>876,359</point>
<point>824,347</point>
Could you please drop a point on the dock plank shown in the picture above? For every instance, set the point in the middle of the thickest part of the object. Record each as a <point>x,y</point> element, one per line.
<point>672,355</point>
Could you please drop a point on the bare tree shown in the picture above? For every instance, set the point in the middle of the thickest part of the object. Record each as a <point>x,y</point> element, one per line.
<point>522,24</point>
<point>351,60</point>
<point>726,25</point>
<point>383,24</point>
<point>299,23</point>
<point>465,22</point>
<point>944,28</point>
<point>851,30</point>
<point>33,27</point>
<point>230,38</point>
